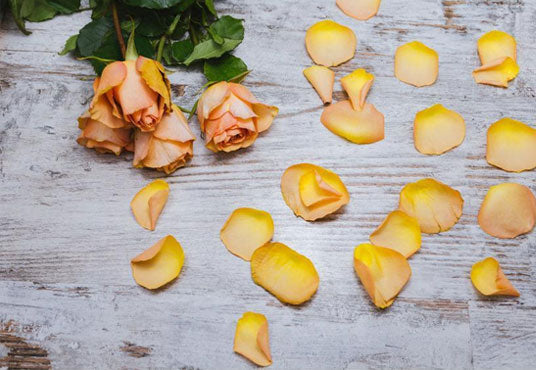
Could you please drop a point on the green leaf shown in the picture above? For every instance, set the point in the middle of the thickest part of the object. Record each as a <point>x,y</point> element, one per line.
<point>229,28</point>
<point>153,4</point>
<point>70,45</point>
<point>91,36</point>
<point>144,46</point>
<point>217,38</point>
<point>15,7</point>
<point>226,68</point>
<point>180,50</point>
<point>151,26</point>
<point>210,6</point>
<point>37,10</point>
<point>100,8</point>
<point>65,6</point>
<point>210,49</point>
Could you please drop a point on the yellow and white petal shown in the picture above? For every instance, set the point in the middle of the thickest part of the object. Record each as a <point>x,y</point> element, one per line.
<point>363,126</point>
<point>508,210</point>
<point>359,9</point>
<point>329,43</point>
<point>158,265</point>
<point>488,278</point>
<point>511,145</point>
<point>382,271</point>
<point>148,203</point>
<point>416,64</point>
<point>495,45</point>
<point>399,232</point>
<point>245,230</point>
<point>436,206</point>
<point>497,73</point>
<point>437,130</point>
<point>288,275</point>
<point>322,79</point>
<point>357,85</point>
<point>252,340</point>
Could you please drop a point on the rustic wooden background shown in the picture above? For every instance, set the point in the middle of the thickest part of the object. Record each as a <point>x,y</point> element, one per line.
<point>67,297</point>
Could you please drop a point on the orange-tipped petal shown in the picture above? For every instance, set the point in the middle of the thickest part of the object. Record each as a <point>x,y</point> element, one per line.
<point>113,75</point>
<point>148,203</point>
<point>322,79</point>
<point>265,116</point>
<point>437,130</point>
<point>327,195</point>
<point>488,278</point>
<point>511,145</point>
<point>416,64</point>
<point>288,275</point>
<point>210,99</point>
<point>494,45</point>
<point>399,232</point>
<point>364,126</point>
<point>436,206</point>
<point>357,85</point>
<point>508,210</point>
<point>359,9</point>
<point>329,43</point>
<point>497,72</point>
<point>382,271</point>
<point>153,74</point>
<point>252,340</point>
<point>246,230</point>
<point>158,265</point>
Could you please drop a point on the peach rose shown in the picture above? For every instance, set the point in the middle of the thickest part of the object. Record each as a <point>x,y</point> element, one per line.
<point>231,117</point>
<point>166,148</point>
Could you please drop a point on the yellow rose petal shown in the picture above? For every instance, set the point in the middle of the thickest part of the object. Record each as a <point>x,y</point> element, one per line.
<point>437,130</point>
<point>399,232</point>
<point>416,64</point>
<point>148,203</point>
<point>312,192</point>
<point>497,73</point>
<point>329,43</point>
<point>508,210</point>
<point>494,45</point>
<point>511,145</point>
<point>382,271</point>
<point>288,275</point>
<point>246,230</point>
<point>252,340</point>
<point>436,206</point>
<point>488,278</point>
<point>364,126</point>
<point>159,264</point>
<point>357,85</point>
<point>322,79</point>
<point>359,9</point>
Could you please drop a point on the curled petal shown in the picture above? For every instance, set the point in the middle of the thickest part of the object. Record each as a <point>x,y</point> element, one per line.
<point>313,189</point>
<point>357,85</point>
<point>288,275</point>
<point>382,271</point>
<point>329,43</point>
<point>322,79</point>
<point>437,130</point>
<point>436,206</point>
<point>159,264</point>
<point>416,64</point>
<point>154,75</point>
<point>265,116</point>
<point>102,138</point>
<point>246,230</point>
<point>148,203</point>
<point>494,45</point>
<point>359,9</point>
<point>488,278</point>
<point>364,126</point>
<point>399,232</point>
<point>497,72</point>
<point>508,210</point>
<point>210,99</point>
<point>101,110</point>
<point>252,339</point>
<point>112,75</point>
<point>243,93</point>
<point>234,105</point>
<point>511,145</point>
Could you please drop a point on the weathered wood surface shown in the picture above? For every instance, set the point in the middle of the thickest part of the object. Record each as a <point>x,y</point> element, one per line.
<point>66,236</point>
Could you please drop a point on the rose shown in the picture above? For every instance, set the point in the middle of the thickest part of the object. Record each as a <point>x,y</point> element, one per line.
<point>231,117</point>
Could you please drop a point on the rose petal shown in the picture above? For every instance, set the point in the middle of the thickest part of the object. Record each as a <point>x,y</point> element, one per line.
<point>488,278</point>
<point>364,126</point>
<point>101,110</point>
<point>437,130</point>
<point>382,271</point>
<point>292,194</point>
<point>159,264</point>
<point>416,64</point>
<point>322,79</point>
<point>153,74</point>
<point>252,340</point>
<point>494,45</point>
<point>246,230</point>
<point>436,206</point>
<point>399,232</point>
<point>265,116</point>
<point>210,99</point>
<point>497,72</point>
<point>313,189</point>
<point>511,145</point>
<point>148,203</point>
<point>508,210</point>
<point>329,43</point>
<point>288,275</point>
<point>359,9</point>
<point>357,85</point>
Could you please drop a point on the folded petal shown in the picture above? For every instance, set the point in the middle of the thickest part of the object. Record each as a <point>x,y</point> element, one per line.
<point>174,127</point>
<point>252,339</point>
<point>313,189</point>
<point>153,74</point>
<point>488,278</point>
<point>497,72</point>
<point>210,99</point>
<point>329,43</point>
<point>148,203</point>
<point>416,64</point>
<point>359,9</point>
<point>234,105</point>
<point>100,137</point>
<point>357,85</point>
<point>243,93</point>
<point>508,210</point>
<point>437,130</point>
<point>322,79</point>
<point>399,232</point>
<point>288,275</point>
<point>265,116</point>
<point>112,75</point>
<point>494,45</point>
<point>101,110</point>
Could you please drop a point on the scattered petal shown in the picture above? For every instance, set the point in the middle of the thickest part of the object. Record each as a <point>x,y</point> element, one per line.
<point>488,278</point>
<point>322,78</point>
<point>359,9</point>
<point>357,85</point>
<point>399,232</point>
<point>495,45</point>
<point>252,340</point>
<point>508,210</point>
<point>416,64</point>
<point>288,275</point>
<point>313,189</point>
<point>497,73</point>
<point>329,43</point>
<point>148,203</point>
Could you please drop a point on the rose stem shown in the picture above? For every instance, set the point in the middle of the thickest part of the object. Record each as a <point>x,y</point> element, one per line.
<point>118,32</point>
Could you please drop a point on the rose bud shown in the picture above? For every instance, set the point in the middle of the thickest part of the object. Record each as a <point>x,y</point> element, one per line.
<point>231,117</point>
<point>166,148</point>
